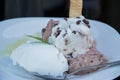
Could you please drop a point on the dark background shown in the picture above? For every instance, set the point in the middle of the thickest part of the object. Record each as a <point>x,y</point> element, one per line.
<point>107,11</point>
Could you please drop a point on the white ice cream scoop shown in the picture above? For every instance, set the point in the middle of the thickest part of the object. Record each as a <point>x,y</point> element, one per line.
<point>43,59</point>
<point>72,36</point>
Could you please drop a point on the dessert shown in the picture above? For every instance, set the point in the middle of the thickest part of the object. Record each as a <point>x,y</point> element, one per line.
<point>70,47</point>
<point>73,38</point>
<point>70,36</point>
<point>41,58</point>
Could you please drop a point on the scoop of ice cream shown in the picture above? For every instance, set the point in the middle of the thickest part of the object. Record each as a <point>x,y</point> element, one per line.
<point>90,58</point>
<point>71,36</point>
<point>41,58</point>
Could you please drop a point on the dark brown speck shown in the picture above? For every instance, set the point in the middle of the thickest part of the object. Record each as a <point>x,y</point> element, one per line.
<point>56,23</point>
<point>74,32</point>
<point>85,21</point>
<point>88,25</point>
<point>65,19</point>
<point>78,22</point>
<point>67,42</point>
<point>64,34</point>
<point>57,33</point>
<point>43,30</point>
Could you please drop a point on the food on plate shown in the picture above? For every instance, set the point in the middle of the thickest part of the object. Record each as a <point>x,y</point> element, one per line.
<point>73,38</point>
<point>90,58</point>
<point>66,45</point>
<point>41,58</point>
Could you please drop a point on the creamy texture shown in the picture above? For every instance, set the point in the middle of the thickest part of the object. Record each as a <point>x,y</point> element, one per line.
<point>90,58</point>
<point>41,58</point>
<point>71,36</point>
<point>71,46</point>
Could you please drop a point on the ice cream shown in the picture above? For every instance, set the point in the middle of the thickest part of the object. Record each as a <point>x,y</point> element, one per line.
<point>71,47</point>
<point>41,58</point>
<point>71,36</point>
<point>90,58</point>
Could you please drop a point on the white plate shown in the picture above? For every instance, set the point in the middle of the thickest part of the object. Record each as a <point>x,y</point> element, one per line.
<point>107,39</point>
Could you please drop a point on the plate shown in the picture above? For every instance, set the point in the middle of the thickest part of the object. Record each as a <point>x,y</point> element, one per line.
<point>107,39</point>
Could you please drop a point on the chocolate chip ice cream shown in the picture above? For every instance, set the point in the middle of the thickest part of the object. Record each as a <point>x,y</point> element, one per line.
<point>72,36</point>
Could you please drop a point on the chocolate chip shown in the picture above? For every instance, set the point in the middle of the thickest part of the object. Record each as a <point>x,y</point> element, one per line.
<point>98,68</point>
<point>80,33</point>
<point>68,62</point>
<point>91,61</point>
<point>58,28</point>
<point>67,42</point>
<point>88,26</point>
<point>69,26</point>
<point>57,33</point>
<point>64,49</point>
<point>78,22</point>
<point>85,21</point>
<point>74,32</point>
<point>65,19</point>
<point>43,30</point>
<point>64,34</point>
<point>70,54</point>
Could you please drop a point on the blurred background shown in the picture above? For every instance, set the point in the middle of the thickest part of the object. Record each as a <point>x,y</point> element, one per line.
<point>107,11</point>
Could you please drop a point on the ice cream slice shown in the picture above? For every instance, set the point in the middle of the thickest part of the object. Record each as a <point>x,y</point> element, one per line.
<point>41,58</point>
<point>71,36</point>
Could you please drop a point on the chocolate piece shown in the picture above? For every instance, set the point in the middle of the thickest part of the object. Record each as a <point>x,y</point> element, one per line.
<point>70,54</point>
<point>57,33</point>
<point>82,34</point>
<point>65,19</point>
<point>69,26</point>
<point>88,25</point>
<point>78,22</point>
<point>43,30</point>
<point>67,42</point>
<point>74,32</point>
<point>64,34</point>
<point>64,49</point>
<point>85,21</point>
